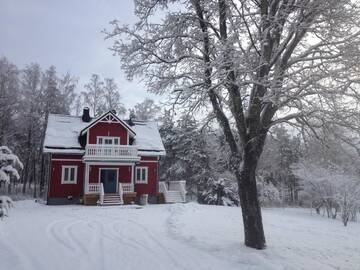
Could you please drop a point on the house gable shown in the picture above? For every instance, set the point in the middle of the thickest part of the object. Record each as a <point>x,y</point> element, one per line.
<point>108,125</point>
<point>110,118</point>
<point>104,129</point>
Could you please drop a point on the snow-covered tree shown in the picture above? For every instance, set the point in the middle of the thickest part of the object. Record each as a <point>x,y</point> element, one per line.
<point>269,194</point>
<point>146,110</point>
<point>331,187</point>
<point>112,98</point>
<point>9,98</point>
<point>94,94</point>
<point>220,192</point>
<point>9,165</point>
<point>281,152</point>
<point>5,204</point>
<point>67,85</point>
<point>31,117</point>
<point>255,64</point>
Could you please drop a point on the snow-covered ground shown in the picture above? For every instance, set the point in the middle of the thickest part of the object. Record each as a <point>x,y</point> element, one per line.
<point>183,236</point>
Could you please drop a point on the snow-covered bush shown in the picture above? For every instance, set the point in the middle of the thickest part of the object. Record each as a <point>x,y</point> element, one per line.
<point>269,195</point>
<point>5,204</point>
<point>331,187</point>
<point>348,198</point>
<point>219,192</point>
<point>9,165</point>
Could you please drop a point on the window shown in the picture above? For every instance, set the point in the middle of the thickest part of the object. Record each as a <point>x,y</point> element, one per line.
<point>141,176</point>
<point>108,140</point>
<point>69,175</point>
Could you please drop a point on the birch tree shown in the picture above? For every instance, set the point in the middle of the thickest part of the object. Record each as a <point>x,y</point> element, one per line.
<point>252,64</point>
<point>112,98</point>
<point>93,96</point>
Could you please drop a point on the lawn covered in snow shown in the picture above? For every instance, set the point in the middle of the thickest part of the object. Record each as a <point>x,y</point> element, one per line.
<point>181,236</point>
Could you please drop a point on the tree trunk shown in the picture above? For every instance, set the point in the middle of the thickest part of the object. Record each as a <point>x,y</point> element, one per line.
<point>251,211</point>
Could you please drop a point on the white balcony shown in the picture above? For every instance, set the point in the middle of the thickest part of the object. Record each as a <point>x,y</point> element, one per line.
<point>111,152</point>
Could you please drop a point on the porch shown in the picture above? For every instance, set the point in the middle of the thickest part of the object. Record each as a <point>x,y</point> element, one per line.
<point>109,183</point>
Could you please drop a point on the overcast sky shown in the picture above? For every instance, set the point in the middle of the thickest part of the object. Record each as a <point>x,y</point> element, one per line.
<point>67,34</point>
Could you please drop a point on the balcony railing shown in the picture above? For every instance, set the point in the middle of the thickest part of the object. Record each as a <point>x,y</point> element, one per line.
<point>110,151</point>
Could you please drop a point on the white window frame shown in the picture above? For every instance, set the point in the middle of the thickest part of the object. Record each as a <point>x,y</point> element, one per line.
<point>142,169</point>
<point>107,137</point>
<point>68,181</point>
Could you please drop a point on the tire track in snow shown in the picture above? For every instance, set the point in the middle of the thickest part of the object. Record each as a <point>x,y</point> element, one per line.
<point>57,234</point>
<point>178,262</point>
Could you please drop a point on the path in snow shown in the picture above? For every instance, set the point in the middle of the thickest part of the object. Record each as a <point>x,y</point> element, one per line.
<point>183,236</point>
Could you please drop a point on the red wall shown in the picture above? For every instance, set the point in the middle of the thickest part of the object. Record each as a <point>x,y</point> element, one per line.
<point>108,129</point>
<point>124,173</point>
<point>151,187</point>
<point>58,190</point>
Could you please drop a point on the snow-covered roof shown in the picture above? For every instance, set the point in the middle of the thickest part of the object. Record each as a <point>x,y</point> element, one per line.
<point>148,140</point>
<point>63,131</point>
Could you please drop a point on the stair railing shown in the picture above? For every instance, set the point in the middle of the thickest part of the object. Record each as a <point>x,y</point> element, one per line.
<point>182,185</point>
<point>102,193</point>
<point>121,193</point>
<point>163,189</point>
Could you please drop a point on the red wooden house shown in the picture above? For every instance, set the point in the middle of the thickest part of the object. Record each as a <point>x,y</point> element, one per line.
<point>105,160</point>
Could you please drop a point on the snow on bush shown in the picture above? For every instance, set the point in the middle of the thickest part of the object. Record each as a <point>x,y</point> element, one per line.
<point>8,165</point>
<point>219,192</point>
<point>331,187</point>
<point>5,204</point>
<point>269,195</point>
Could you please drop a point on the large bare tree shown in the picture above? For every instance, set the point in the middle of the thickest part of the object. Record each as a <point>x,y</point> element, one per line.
<point>254,64</point>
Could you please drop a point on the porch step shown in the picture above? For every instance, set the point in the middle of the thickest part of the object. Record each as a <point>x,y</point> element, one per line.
<point>173,196</point>
<point>112,199</point>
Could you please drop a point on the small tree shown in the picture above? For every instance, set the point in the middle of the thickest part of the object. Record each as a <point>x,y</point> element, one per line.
<point>9,164</point>
<point>220,192</point>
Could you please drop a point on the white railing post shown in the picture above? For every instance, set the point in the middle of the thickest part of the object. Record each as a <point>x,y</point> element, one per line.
<point>121,192</point>
<point>102,193</point>
<point>163,189</point>
<point>182,185</point>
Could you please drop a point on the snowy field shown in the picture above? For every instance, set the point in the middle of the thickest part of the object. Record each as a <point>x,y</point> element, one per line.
<point>183,236</point>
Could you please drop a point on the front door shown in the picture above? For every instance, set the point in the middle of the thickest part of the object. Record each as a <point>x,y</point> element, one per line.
<point>109,179</point>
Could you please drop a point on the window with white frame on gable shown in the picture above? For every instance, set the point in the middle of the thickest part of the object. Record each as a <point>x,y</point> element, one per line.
<point>141,176</point>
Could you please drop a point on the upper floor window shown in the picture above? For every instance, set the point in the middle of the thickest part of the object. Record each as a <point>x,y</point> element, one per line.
<point>108,140</point>
<point>69,175</point>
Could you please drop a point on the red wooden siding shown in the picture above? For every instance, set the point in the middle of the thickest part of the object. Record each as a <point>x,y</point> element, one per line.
<point>124,173</point>
<point>108,129</point>
<point>151,187</point>
<point>58,190</point>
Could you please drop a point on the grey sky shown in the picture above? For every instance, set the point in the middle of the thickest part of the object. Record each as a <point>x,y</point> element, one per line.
<point>67,34</point>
